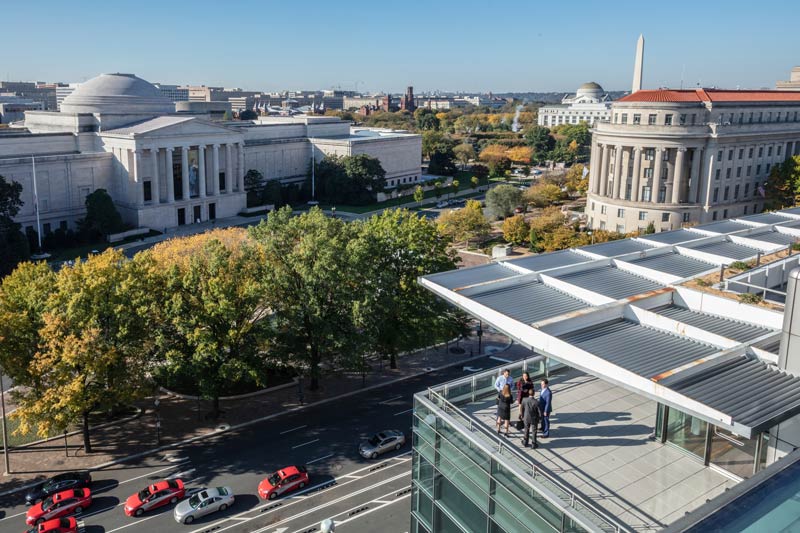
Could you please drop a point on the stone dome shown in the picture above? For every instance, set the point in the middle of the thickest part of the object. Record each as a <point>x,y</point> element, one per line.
<point>117,94</point>
<point>590,89</point>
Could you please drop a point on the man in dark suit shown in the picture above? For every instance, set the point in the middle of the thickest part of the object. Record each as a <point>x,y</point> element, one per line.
<point>546,407</point>
<point>529,413</point>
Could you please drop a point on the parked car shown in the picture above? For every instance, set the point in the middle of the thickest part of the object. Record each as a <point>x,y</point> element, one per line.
<point>283,481</point>
<point>61,504</point>
<point>155,496</point>
<point>442,204</point>
<point>380,443</point>
<point>57,525</point>
<point>202,503</point>
<point>519,209</point>
<point>68,480</point>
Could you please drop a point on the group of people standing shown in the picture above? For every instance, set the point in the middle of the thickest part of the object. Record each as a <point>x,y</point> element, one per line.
<point>533,413</point>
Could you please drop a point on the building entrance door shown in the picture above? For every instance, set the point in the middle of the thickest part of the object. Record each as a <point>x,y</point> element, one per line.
<point>212,211</point>
<point>687,432</point>
<point>181,216</point>
<point>197,213</point>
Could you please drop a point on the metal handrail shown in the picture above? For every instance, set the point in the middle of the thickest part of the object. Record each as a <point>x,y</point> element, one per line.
<point>501,445</point>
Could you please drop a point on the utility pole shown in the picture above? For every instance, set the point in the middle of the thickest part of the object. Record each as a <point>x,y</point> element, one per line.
<point>36,205</point>
<point>5,429</point>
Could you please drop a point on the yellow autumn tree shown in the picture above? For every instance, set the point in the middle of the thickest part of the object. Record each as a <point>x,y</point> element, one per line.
<point>520,154</point>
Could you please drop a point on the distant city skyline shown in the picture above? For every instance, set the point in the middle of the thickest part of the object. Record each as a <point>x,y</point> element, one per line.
<point>447,46</point>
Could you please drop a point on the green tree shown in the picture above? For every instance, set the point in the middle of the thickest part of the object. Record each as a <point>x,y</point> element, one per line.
<point>454,186</point>
<point>463,224</point>
<point>248,114</point>
<point>227,115</point>
<point>210,309</point>
<point>95,346</point>
<point>437,189</point>
<point>649,230</point>
<point>464,153</point>
<point>312,289</point>
<point>13,243</point>
<point>539,139</point>
<point>395,312</point>
<point>441,161</point>
<point>354,179</point>
<point>502,200</point>
<point>435,141</point>
<point>272,193</point>
<point>474,181</point>
<point>253,180</point>
<point>516,230</point>
<point>419,193</point>
<point>102,217</point>
<point>425,119</point>
<point>783,185</point>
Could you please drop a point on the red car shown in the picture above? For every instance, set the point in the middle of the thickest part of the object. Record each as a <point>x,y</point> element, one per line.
<point>154,496</point>
<point>57,525</point>
<point>62,503</point>
<point>283,481</point>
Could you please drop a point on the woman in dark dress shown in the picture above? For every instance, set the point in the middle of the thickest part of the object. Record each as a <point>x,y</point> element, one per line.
<point>523,386</point>
<point>504,401</point>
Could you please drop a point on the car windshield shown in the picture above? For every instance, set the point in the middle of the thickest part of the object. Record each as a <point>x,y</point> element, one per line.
<point>47,504</point>
<point>274,479</point>
<point>222,491</point>
<point>374,440</point>
<point>195,500</point>
<point>144,494</point>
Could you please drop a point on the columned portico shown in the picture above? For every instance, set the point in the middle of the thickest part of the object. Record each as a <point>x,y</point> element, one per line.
<point>617,171</point>
<point>240,174</point>
<point>694,177</point>
<point>137,178</point>
<point>604,172</point>
<point>184,172</point>
<point>637,169</point>
<point>655,189</point>
<point>170,176</point>
<point>228,169</point>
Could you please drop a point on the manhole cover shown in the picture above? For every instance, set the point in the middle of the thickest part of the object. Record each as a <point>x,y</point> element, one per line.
<point>223,427</point>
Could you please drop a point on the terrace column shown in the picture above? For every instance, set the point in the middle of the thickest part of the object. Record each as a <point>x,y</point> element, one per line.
<point>155,192</point>
<point>677,177</point>
<point>694,177</point>
<point>201,167</point>
<point>137,177</point>
<point>637,169</point>
<point>594,165</point>
<point>228,169</point>
<point>170,177</point>
<point>185,172</point>
<point>240,174</point>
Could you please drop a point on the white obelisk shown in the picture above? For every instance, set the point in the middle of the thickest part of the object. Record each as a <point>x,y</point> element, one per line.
<point>637,68</point>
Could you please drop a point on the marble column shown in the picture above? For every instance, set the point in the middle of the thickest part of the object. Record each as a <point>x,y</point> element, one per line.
<point>155,186</point>
<point>240,173</point>
<point>617,171</point>
<point>694,176</point>
<point>677,178</point>
<point>137,177</point>
<point>228,169</point>
<point>201,164</point>
<point>594,164</point>
<point>170,176</point>
<point>185,173</point>
<point>215,170</point>
<point>603,173</point>
<point>655,188</point>
<point>637,170</point>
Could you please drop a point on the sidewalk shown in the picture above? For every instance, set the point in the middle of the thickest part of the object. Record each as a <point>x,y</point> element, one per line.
<point>184,419</point>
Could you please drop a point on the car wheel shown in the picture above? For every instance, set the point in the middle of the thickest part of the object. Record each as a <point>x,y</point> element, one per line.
<point>138,512</point>
<point>188,520</point>
<point>78,509</point>
<point>374,455</point>
<point>273,495</point>
<point>223,507</point>
<point>39,521</point>
<point>174,500</point>
<point>398,446</point>
<point>301,485</point>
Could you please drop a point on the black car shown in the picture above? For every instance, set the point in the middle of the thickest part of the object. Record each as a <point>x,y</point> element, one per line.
<point>68,480</point>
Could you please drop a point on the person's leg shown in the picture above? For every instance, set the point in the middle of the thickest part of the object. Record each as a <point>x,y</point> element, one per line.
<point>545,426</point>
<point>499,422</point>
<point>535,444</point>
<point>527,435</point>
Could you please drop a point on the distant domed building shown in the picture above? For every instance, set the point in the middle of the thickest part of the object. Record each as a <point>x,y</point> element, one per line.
<point>589,104</point>
<point>165,167</point>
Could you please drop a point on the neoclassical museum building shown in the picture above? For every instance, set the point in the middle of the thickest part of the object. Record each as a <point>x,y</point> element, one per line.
<point>675,157</point>
<point>165,168</point>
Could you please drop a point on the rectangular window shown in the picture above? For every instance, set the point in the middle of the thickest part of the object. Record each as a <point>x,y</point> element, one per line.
<point>642,215</point>
<point>624,118</point>
<point>778,116</point>
<point>616,118</point>
<point>755,208</point>
<point>637,118</point>
<point>602,224</point>
<point>736,193</point>
<point>620,228</point>
<point>664,217</point>
<point>750,120</point>
<point>714,215</point>
<point>749,170</point>
<point>741,153</point>
<point>730,155</point>
<point>719,155</point>
<point>716,194</point>
<point>668,119</point>
<point>727,173</point>
<point>651,119</point>
<point>760,117</point>
<point>592,205</point>
<point>662,194</point>
<point>746,189</point>
<point>724,213</point>
<point>646,195</point>
<point>620,213</point>
<point>649,154</point>
<point>725,194</point>
<point>716,174</point>
<point>694,118</point>
<point>648,173</point>
<point>741,118</point>
<point>745,209</point>
<point>760,151</point>
<point>758,170</point>
<point>769,116</point>
<point>148,191</point>
<point>778,150</point>
<point>768,165</point>
<point>682,119</point>
<point>665,156</point>
<point>686,217</point>
<point>769,151</point>
<point>603,209</point>
<point>750,153</point>
<point>738,172</point>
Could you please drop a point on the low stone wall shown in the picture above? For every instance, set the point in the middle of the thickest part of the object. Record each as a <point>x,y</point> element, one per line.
<point>258,209</point>
<point>116,237</point>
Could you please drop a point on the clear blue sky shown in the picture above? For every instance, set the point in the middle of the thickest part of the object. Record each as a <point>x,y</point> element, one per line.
<point>526,45</point>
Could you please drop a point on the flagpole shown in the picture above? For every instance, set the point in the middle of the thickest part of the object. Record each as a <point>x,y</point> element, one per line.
<point>36,204</point>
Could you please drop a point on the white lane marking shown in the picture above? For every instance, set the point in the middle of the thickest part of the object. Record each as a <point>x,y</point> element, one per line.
<point>293,429</point>
<point>104,490</point>
<point>404,412</point>
<point>299,496</point>
<point>368,511</point>
<point>305,444</point>
<point>133,523</point>
<point>390,400</point>
<point>239,518</point>
<point>319,459</point>
<point>348,511</point>
<point>322,506</point>
<point>379,501</point>
<point>181,474</point>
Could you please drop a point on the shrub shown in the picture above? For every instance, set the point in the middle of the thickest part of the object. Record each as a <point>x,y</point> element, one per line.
<point>739,265</point>
<point>750,298</point>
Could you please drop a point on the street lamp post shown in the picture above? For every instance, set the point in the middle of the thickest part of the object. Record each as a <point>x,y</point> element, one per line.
<point>156,403</point>
<point>333,211</point>
<point>591,234</point>
<point>5,429</point>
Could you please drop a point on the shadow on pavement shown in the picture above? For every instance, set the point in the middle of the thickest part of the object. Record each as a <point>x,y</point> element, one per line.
<point>93,529</point>
<point>103,485</point>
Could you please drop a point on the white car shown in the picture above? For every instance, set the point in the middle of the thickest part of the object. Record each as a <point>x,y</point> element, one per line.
<point>442,204</point>
<point>203,502</point>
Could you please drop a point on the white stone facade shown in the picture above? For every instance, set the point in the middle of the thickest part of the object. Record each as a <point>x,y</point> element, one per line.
<point>686,157</point>
<point>589,104</point>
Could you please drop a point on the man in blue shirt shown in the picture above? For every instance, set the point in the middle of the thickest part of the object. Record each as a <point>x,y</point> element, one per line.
<point>504,379</point>
<point>546,407</point>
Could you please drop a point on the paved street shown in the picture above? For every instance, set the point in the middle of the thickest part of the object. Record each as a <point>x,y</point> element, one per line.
<point>361,495</point>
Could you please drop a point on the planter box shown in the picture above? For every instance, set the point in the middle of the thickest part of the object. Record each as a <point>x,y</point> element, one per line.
<point>116,237</point>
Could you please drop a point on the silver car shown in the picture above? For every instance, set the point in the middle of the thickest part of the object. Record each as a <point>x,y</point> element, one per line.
<point>203,502</point>
<point>385,441</point>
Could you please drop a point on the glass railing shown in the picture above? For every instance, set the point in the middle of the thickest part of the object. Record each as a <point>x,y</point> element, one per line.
<point>451,396</point>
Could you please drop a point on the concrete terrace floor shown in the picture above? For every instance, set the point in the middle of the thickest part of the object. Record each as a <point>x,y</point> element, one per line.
<point>599,446</point>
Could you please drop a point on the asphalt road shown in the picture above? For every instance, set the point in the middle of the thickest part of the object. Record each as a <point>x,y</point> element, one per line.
<point>360,495</point>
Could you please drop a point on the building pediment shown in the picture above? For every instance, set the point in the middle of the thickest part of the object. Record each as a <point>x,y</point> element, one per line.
<point>171,126</point>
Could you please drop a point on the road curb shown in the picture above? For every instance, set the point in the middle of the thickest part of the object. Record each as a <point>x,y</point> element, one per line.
<point>218,432</point>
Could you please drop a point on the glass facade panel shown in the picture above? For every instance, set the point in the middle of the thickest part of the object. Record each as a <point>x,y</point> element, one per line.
<point>458,506</point>
<point>687,432</point>
<point>459,392</point>
<point>423,505</point>
<point>423,472</point>
<point>733,453</point>
<point>510,492</point>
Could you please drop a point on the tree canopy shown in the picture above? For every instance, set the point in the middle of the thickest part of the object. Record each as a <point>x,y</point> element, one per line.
<point>102,217</point>
<point>353,179</point>
<point>13,244</point>
<point>502,200</point>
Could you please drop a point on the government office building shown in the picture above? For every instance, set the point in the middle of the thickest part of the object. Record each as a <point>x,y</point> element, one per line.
<point>681,157</point>
<point>165,168</point>
<point>665,394</point>
<point>589,104</point>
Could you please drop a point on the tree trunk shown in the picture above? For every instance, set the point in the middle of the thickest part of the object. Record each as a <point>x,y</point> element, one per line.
<point>215,407</point>
<point>87,444</point>
<point>393,360</point>
<point>314,368</point>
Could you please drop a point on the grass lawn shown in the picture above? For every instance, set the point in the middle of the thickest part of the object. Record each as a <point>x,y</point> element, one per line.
<point>83,250</point>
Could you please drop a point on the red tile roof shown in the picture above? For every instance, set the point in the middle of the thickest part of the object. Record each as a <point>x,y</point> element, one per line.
<point>710,95</point>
